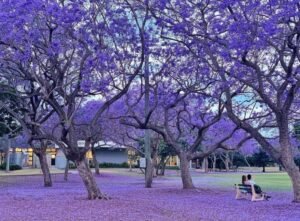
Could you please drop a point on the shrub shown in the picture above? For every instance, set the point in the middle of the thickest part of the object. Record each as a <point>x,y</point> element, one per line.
<point>113,165</point>
<point>172,168</point>
<point>102,165</point>
<point>3,166</point>
<point>72,165</point>
<point>15,167</point>
<point>11,167</point>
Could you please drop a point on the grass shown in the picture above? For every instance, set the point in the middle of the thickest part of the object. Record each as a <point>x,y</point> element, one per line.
<point>268,181</point>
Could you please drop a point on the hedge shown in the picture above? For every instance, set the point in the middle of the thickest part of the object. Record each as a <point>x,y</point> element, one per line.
<point>11,167</point>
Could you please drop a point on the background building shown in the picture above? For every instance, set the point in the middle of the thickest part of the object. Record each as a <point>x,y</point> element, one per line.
<point>106,152</point>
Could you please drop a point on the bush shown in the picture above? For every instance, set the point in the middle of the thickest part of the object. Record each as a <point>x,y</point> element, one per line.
<point>3,166</point>
<point>172,168</point>
<point>72,165</point>
<point>102,165</point>
<point>113,165</point>
<point>15,167</point>
<point>11,167</point>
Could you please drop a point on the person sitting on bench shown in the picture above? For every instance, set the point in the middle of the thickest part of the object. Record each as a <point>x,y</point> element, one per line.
<point>249,180</point>
<point>244,179</point>
<point>257,188</point>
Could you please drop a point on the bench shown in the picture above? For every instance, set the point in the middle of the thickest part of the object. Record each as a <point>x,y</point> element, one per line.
<point>243,190</point>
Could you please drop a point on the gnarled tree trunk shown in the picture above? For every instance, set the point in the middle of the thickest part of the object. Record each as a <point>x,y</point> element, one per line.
<point>287,159</point>
<point>185,172</point>
<point>294,174</point>
<point>89,180</point>
<point>287,156</point>
<point>148,173</point>
<point>45,169</point>
<point>42,155</point>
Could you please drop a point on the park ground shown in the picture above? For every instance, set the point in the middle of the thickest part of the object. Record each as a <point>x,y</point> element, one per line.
<point>23,197</point>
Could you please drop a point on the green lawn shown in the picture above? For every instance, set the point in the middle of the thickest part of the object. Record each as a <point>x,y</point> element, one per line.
<point>270,181</point>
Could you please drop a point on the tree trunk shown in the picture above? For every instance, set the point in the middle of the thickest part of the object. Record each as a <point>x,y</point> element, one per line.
<point>147,145</point>
<point>163,167</point>
<point>294,174</point>
<point>66,170</point>
<point>185,172</point>
<point>226,162</point>
<point>246,161</point>
<point>95,161</point>
<point>159,166</point>
<point>205,165</point>
<point>264,169</point>
<point>287,159</point>
<point>13,156</point>
<point>130,166</point>
<point>148,173</point>
<point>154,162</point>
<point>7,159</point>
<point>154,174</point>
<point>89,180</point>
<point>214,162</point>
<point>41,154</point>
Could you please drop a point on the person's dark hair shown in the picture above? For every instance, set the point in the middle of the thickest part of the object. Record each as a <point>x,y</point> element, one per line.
<point>244,178</point>
<point>249,176</point>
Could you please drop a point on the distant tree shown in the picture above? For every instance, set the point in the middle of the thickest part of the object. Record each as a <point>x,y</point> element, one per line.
<point>240,160</point>
<point>8,124</point>
<point>261,159</point>
<point>27,113</point>
<point>164,152</point>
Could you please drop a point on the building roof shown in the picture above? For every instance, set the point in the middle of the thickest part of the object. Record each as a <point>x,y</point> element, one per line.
<point>108,145</point>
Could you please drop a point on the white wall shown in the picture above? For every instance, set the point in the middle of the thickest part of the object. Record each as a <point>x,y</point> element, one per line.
<point>112,155</point>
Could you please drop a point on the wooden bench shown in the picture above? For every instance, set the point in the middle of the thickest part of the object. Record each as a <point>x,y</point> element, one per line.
<point>242,191</point>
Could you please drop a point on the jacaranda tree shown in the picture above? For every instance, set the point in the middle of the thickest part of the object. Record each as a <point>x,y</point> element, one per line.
<point>68,51</point>
<point>253,46</point>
